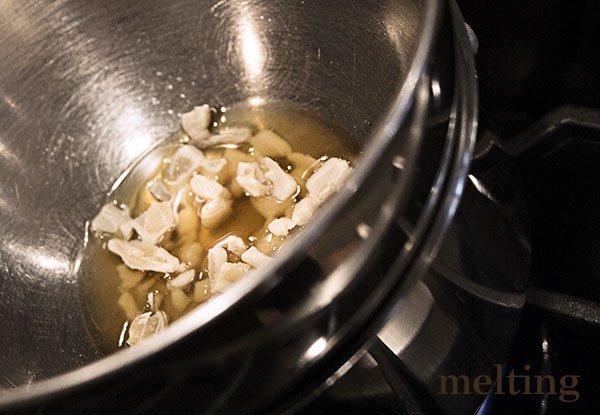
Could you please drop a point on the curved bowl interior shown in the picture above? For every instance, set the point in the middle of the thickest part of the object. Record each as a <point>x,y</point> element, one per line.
<point>86,87</point>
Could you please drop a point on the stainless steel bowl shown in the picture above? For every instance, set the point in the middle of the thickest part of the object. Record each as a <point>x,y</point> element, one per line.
<point>86,87</point>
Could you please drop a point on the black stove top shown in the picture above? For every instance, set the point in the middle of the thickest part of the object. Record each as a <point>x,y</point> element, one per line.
<point>535,56</point>
<point>539,66</point>
<point>560,329</point>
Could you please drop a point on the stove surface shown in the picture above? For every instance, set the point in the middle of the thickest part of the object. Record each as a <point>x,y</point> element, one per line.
<point>538,66</point>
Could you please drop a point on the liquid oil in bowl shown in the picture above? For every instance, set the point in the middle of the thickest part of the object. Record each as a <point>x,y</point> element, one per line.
<point>113,294</point>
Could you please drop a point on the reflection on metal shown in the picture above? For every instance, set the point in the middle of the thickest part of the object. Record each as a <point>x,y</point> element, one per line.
<point>481,188</point>
<point>363,230</point>
<point>436,89</point>
<point>7,156</point>
<point>256,101</point>
<point>43,260</point>
<point>408,319</point>
<point>132,123</point>
<point>315,349</point>
<point>253,53</point>
<point>399,162</point>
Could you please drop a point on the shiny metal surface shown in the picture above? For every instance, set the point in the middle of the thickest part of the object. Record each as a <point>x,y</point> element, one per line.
<point>86,87</point>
